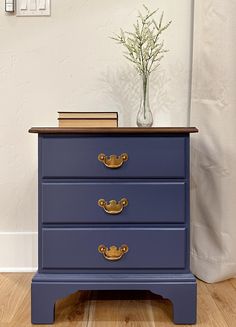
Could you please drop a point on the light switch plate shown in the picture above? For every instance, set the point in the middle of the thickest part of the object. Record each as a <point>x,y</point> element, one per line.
<point>9,6</point>
<point>33,8</point>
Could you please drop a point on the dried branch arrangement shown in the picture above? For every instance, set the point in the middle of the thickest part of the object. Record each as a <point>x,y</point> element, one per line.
<point>143,46</point>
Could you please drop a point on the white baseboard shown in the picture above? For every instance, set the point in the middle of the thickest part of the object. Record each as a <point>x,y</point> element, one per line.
<point>17,270</point>
<point>18,251</point>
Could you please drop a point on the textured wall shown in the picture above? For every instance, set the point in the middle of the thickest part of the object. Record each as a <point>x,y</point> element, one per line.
<point>67,62</point>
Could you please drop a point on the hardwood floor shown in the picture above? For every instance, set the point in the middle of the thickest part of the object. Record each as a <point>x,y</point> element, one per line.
<point>216,306</point>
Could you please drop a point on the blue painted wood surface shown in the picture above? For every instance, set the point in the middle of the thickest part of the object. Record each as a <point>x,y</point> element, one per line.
<point>148,247</point>
<point>148,202</point>
<point>75,156</point>
<point>180,289</point>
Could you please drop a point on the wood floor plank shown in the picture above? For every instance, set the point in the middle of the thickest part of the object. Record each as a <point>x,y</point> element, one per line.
<point>209,314</point>
<point>120,308</point>
<point>22,316</point>
<point>224,295</point>
<point>14,289</point>
<point>233,282</point>
<point>73,311</point>
<point>216,306</point>
<point>161,311</point>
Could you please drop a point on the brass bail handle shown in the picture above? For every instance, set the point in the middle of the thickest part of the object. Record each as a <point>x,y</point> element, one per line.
<point>113,161</point>
<point>113,253</point>
<point>113,207</point>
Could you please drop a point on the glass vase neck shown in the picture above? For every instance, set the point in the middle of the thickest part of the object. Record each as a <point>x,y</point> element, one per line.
<point>144,117</point>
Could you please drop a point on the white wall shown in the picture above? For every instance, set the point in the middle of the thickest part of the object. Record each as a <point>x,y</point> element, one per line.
<point>67,62</point>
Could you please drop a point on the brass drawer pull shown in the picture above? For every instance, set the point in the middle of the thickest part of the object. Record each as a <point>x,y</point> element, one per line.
<point>113,161</point>
<point>113,253</point>
<point>113,207</point>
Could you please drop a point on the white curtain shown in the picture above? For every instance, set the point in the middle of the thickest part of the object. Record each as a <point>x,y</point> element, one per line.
<point>213,111</point>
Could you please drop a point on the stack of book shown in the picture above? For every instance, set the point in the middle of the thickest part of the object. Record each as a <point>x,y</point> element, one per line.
<point>87,119</point>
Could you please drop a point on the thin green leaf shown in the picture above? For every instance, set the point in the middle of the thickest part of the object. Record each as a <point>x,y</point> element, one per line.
<point>161,19</point>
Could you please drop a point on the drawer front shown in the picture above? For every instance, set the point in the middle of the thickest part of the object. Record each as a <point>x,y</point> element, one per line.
<point>153,248</point>
<point>146,202</point>
<point>77,156</point>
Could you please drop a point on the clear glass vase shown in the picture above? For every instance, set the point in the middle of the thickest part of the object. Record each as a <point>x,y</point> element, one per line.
<point>144,117</point>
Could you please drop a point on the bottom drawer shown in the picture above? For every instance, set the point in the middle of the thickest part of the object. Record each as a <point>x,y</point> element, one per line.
<point>77,248</point>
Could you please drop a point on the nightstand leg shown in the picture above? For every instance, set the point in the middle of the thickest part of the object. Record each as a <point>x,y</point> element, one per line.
<point>42,305</point>
<point>184,305</point>
<point>183,298</point>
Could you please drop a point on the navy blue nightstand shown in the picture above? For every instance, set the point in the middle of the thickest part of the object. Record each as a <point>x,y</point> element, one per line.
<point>114,214</point>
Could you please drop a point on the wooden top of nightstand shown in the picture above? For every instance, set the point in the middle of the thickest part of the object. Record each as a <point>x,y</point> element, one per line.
<point>115,130</point>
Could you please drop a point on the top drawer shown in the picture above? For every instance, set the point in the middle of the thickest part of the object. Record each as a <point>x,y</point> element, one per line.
<point>68,156</point>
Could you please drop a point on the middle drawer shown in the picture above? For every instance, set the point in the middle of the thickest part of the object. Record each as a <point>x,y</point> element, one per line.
<point>124,202</point>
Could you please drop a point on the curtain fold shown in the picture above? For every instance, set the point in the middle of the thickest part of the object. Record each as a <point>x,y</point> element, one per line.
<point>213,159</point>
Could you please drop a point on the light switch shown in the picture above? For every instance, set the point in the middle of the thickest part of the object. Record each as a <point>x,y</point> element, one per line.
<point>23,4</point>
<point>9,6</point>
<point>33,7</point>
<point>42,4</point>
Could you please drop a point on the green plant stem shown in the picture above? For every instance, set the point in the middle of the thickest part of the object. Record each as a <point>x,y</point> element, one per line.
<point>141,50</point>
